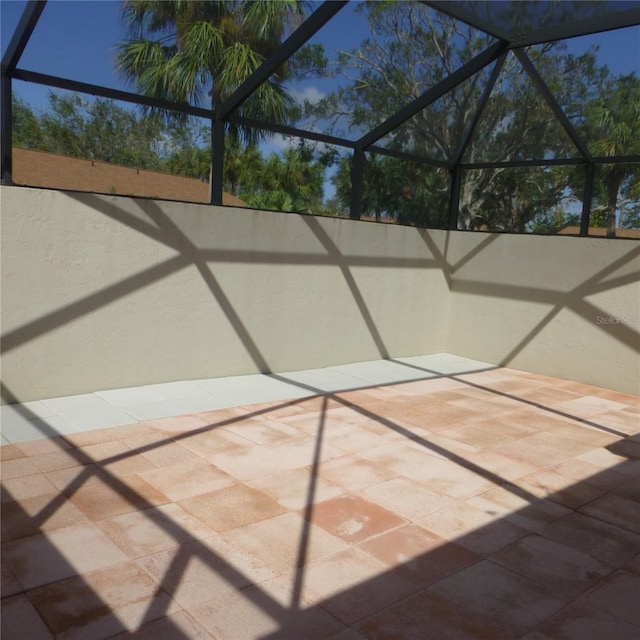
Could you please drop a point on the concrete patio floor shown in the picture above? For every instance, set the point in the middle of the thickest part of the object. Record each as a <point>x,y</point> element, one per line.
<point>423,498</point>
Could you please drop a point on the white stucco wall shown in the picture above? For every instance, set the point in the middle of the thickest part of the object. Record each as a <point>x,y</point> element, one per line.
<point>103,292</point>
<point>560,306</point>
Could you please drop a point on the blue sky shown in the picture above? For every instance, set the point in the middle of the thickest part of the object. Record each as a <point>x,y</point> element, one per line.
<point>76,39</point>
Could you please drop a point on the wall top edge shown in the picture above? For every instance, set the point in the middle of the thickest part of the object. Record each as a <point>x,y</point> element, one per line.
<point>479,235</point>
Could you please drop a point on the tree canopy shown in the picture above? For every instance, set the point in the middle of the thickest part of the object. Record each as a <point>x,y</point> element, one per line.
<point>102,130</point>
<point>96,129</point>
<point>411,48</point>
<point>200,51</point>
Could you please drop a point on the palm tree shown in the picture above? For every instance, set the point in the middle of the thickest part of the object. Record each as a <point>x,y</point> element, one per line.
<point>186,50</point>
<point>298,176</point>
<point>615,119</point>
<point>240,164</point>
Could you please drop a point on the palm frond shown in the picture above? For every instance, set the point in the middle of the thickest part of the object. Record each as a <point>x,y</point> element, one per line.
<point>268,19</point>
<point>203,45</point>
<point>181,50</point>
<point>237,63</point>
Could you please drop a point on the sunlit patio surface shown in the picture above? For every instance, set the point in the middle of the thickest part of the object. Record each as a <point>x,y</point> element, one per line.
<point>422,498</point>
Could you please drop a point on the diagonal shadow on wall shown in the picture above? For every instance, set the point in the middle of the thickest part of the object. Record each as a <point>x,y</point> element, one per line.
<point>168,234</point>
<point>574,299</point>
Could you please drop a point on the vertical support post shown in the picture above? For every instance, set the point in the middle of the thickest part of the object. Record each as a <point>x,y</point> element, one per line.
<point>10,60</point>
<point>454,202</point>
<point>357,183</point>
<point>587,199</point>
<point>217,161</point>
<point>6,170</point>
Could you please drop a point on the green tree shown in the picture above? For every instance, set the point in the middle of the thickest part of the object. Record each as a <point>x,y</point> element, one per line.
<point>186,149</point>
<point>26,128</point>
<point>241,164</point>
<point>525,199</point>
<point>411,48</point>
<point>394,189</point>
<point>613,122</point>
<point>101,130</point>
<point>97,129</point>
<point>293,182</point>
<point>185,50</point>
<point>190,161</point>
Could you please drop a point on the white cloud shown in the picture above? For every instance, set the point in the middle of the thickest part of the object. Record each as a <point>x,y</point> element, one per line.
<point>308,94</point>
<point>276,143</point>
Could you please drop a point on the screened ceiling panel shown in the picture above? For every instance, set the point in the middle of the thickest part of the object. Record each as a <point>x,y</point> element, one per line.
<point>362,67</point>
<point>10,13</point>
<point>354,74</point>
<point>517,123</point>
<point>461,85</point>
<point>438,131</point>
<point>309,76</point>
<point>499,98</point>
<point>123,42</point>
<point>518,19</point>
<point>56,32</point>
<point>581,72</point>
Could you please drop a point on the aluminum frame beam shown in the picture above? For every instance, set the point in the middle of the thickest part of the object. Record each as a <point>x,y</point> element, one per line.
<point>551,162</point>
<point>454,198</point>
<point>550,99</point>
<point>616,159</point>
<point>587,198</point>
<point>493,78</point>
<point>431,95</point>
<point>505,164</point>
<point>357,184</point>
<point>411,157</point>
<point>217,162</point>
<point>291,131</point>
<point>6,134</point>
<point>105,92</point>
<point>22,34</point>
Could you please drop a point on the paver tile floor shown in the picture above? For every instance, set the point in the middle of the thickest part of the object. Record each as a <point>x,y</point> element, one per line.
<point>484,504</point>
